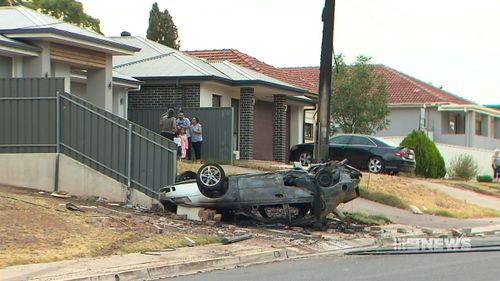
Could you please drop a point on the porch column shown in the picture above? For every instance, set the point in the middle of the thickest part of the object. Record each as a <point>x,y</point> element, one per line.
<point>247,101</point>
<point>100,87</point>
<point>279,128</point>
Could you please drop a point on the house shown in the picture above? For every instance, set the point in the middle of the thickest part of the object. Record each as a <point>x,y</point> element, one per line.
<point>267,111</point>
<point>33,44</point>
<point>414,105</point>
<point>283,74</point>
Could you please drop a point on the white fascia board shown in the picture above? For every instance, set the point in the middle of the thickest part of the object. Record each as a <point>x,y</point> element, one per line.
<point>412,105</point>
<point>71,41</point>
<point>467,108</point>
<point>10,51</point>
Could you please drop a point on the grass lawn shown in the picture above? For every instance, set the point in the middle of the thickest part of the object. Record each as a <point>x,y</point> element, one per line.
<point>400,192</point>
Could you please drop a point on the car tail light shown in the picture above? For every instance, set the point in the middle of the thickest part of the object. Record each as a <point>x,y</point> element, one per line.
<point>404,152</point>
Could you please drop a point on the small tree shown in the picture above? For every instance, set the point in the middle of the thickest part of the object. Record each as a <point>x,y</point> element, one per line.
<point>430,163</point>
<point>162,28</point>
<point>359,97</point>
<point>463,167</point>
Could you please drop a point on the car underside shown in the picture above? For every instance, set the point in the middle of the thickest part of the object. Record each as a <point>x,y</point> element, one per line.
<point>294,196</point>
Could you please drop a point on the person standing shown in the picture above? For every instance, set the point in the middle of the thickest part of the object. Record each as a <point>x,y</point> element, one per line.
<point>178,143</point>
<point>182,122</point>
<point>168,125</point>
<point>495,162</point>
<point>184,142</point>
<point>196,137</point>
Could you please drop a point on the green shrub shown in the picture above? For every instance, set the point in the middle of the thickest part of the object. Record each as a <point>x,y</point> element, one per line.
<point>484,178</point>
<point>430,163</point>
<point>463,167</point>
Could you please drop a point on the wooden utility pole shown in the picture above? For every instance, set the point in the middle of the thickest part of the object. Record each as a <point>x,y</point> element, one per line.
<point>321,143</point>
<point>321,148</point>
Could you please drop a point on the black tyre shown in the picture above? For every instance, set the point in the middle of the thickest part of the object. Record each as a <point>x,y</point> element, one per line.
<point>184,176</point>
<point>376,165</point>
<point>324,178</point>
<point>211,180</point>
<point>305,158</point>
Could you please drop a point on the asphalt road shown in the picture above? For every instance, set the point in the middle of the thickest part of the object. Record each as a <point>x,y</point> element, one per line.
<point>442,267</point>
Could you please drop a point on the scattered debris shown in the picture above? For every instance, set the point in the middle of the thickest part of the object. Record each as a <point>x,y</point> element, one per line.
<point>457,233</point>
<point>402,230</point>
<point>158,228</point>
<point>230,240</point>
<point>427,230</point>
<point>415,210</point>
<point>157,252</point>
<point>73,207</point>
<point>189,242</point>
<point>60,194</point>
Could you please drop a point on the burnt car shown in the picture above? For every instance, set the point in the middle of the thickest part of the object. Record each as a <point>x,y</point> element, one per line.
<point>290,193</point>
<point>362,152</point>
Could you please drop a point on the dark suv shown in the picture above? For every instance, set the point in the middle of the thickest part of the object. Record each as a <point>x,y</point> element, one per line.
<point>363,152</point>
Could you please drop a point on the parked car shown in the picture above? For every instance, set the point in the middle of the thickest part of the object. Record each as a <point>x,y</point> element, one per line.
<point>262,195</point>
<point>362,152</point>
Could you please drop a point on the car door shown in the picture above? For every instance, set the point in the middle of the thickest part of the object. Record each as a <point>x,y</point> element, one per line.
<point>337,147</point>
<point>358,151</point>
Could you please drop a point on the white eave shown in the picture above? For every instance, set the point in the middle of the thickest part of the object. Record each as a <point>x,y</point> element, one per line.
<point>67,40</point>
<point>470,107</point>
<point>12,51</point>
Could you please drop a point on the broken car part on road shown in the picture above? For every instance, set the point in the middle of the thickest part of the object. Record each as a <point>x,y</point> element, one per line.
<point>287,196</point>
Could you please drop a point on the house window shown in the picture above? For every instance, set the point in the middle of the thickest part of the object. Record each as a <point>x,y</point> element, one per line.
<point>456,123</point>
<point>216,100</point>
<point>479,124</point>
<point>308,131</point>
<point>5,67</point>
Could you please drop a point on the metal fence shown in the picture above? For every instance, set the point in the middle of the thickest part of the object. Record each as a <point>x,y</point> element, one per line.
<point>217,124</point>
<point>36,116</point>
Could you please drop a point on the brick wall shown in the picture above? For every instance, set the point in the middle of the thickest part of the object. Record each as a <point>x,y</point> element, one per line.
<point>246,122</point>
<point>165,96</point>
<point>279,128</point>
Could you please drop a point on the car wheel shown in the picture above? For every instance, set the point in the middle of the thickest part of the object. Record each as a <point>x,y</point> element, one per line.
<point>375,165</point>
<point>305,158</point>
<point>184,176</point>
<point>211,180</point>
<point>324,178</point>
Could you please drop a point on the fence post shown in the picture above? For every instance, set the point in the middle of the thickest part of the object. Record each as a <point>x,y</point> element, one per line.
<point>58,142</point>
<point>129,162</point>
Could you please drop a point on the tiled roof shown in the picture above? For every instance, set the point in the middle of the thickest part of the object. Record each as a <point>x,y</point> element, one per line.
<point>244,60</point>
<point>16,21</point>
<point>155,61</point>
<point>401,88</point>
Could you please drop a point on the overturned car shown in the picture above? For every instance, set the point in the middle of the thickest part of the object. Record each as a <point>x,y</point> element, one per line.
<point>297,196</point>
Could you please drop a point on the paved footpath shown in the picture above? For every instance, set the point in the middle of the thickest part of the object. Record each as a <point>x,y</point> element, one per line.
<point>167,264</point>
<point>481,200</point>
<point>406,217</point>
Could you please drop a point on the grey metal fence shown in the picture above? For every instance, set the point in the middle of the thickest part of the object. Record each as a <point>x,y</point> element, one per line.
<point>217,124</point>
<point>36,116</point>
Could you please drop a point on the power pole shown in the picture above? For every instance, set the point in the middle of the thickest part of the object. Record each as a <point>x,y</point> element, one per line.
<point>321,147</point>
<point>321,143</point>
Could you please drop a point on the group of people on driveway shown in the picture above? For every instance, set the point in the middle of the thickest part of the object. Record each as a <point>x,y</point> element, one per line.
<point>184,132</point>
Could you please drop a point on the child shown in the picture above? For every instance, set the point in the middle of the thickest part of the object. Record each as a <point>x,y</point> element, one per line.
<point>177,141</point>
<point>184,142</point>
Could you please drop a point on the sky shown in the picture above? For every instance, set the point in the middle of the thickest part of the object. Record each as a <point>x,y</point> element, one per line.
<point>450,43</point>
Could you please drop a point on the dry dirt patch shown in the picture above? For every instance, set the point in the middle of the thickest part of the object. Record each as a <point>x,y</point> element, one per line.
<point>428,200</point>
<point>37,228</point>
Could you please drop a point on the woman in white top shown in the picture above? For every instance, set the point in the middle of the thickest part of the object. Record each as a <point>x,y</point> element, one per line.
<point>196,137</point>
